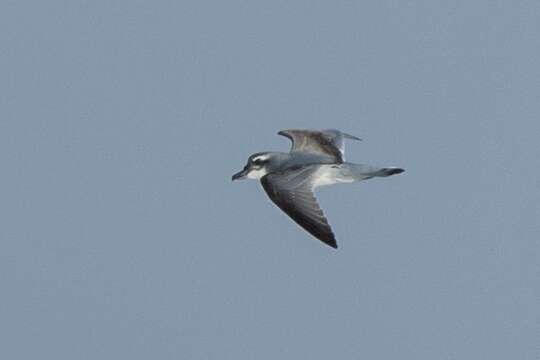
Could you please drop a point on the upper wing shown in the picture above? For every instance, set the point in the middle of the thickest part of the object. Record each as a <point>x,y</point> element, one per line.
<point>325,142</point>
<point>292,191</point>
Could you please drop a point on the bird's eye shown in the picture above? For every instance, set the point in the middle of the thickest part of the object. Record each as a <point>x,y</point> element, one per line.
<point>257,162</point>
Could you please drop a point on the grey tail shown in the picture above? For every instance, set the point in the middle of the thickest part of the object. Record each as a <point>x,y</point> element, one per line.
<point>389,171</point>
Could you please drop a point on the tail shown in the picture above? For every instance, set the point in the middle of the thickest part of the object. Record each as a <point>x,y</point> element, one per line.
<point>388,171</point>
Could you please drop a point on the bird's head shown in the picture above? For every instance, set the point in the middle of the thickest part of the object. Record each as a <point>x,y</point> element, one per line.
<point>257,166</point>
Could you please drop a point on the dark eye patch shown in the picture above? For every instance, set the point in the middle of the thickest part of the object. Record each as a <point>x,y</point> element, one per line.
<point>257,162</point>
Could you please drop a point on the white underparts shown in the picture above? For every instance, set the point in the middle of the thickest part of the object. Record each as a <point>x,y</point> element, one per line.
<point>339,174</point>
<point>329,175</point>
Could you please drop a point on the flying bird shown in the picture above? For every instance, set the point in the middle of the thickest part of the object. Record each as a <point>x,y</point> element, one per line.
<point>316,158</point>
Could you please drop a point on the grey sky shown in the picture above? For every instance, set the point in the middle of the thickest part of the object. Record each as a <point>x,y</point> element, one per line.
<point>123,237</point>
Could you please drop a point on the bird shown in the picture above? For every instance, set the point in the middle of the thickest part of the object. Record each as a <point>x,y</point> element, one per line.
<point>316,158</point>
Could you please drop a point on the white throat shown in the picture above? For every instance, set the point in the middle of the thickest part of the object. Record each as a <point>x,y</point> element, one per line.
<point>256,174</point>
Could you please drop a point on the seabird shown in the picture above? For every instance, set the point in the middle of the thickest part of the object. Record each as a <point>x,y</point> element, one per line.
<point>316,158</point>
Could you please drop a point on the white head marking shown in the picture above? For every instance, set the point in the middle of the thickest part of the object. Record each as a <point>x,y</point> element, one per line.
<point>262,157</point>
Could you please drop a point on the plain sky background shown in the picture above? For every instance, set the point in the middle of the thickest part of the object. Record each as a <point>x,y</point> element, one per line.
<point>122,236</point>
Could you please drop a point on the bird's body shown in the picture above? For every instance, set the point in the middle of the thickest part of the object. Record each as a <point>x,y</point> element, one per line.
<point>316,159</point>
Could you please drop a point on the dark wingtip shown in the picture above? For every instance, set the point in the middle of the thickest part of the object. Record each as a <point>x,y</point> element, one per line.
<point>284,133</point>
<point>330,242</point>
<point>327,239</point>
